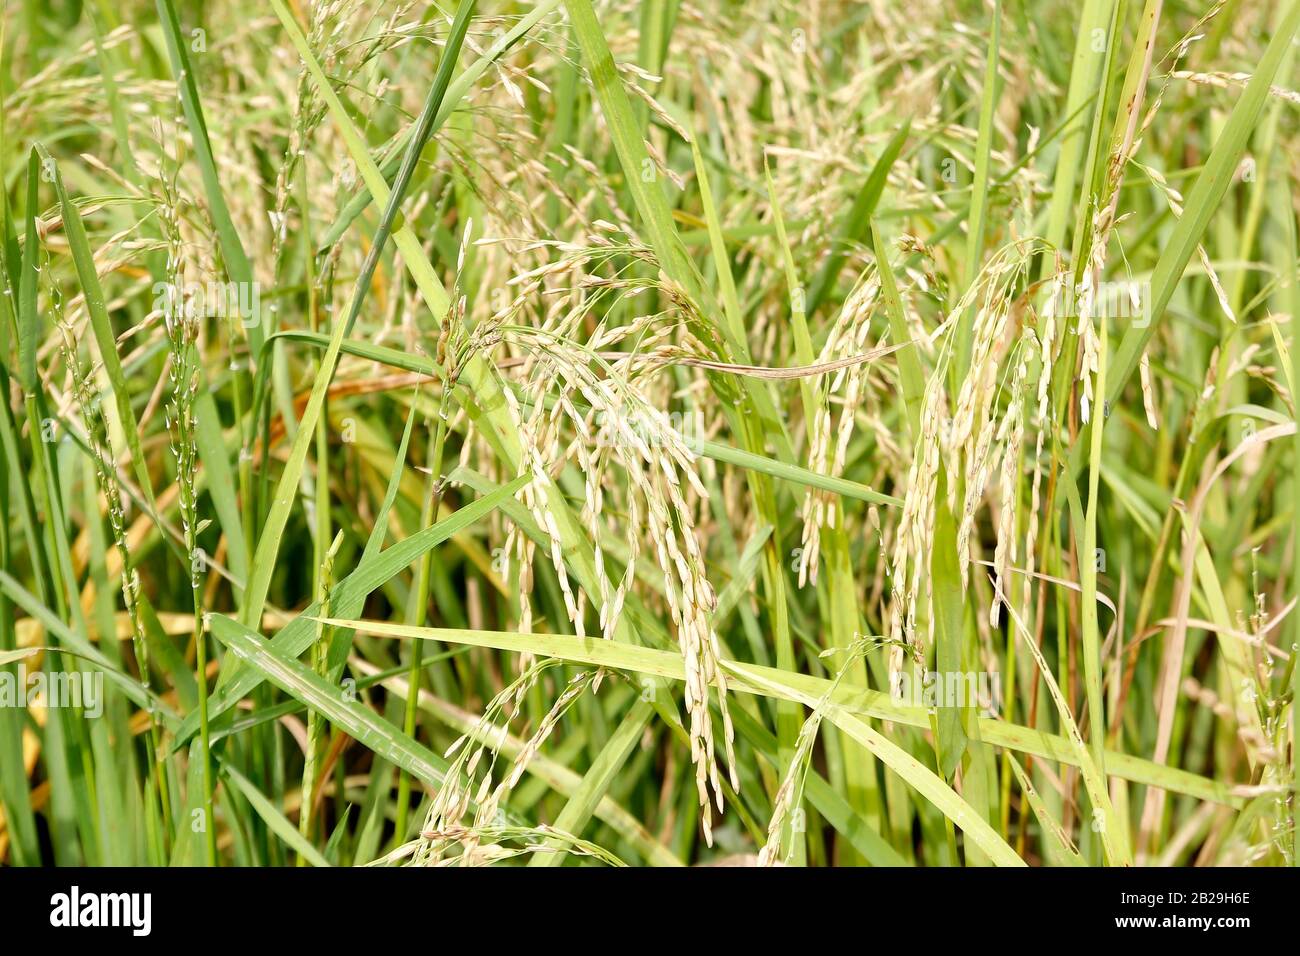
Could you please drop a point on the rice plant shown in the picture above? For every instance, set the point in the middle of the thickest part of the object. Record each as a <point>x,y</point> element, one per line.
<point>597,433</point>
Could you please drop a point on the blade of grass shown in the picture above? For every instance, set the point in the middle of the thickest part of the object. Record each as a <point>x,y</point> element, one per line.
<point>910,372</point>
<point>1203,200</point>
<point>857,221</point>
<point>264,559</point>
<point>236,259</point>
<point>280,826</point>
<point>867,703</point>
<point>84,260</point>
<point>979,188</point>
<point>352,717</point>
<point>349,597</point>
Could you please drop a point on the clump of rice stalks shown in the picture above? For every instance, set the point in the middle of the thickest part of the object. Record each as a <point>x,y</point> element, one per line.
<point>469,780</point>
<point>699,341</point>
<point>181,320</point>
<point>618,426</point>
<point>849,336</point>
<point>963,440</point>
<point>100,445</point>
<point>789,794</point>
